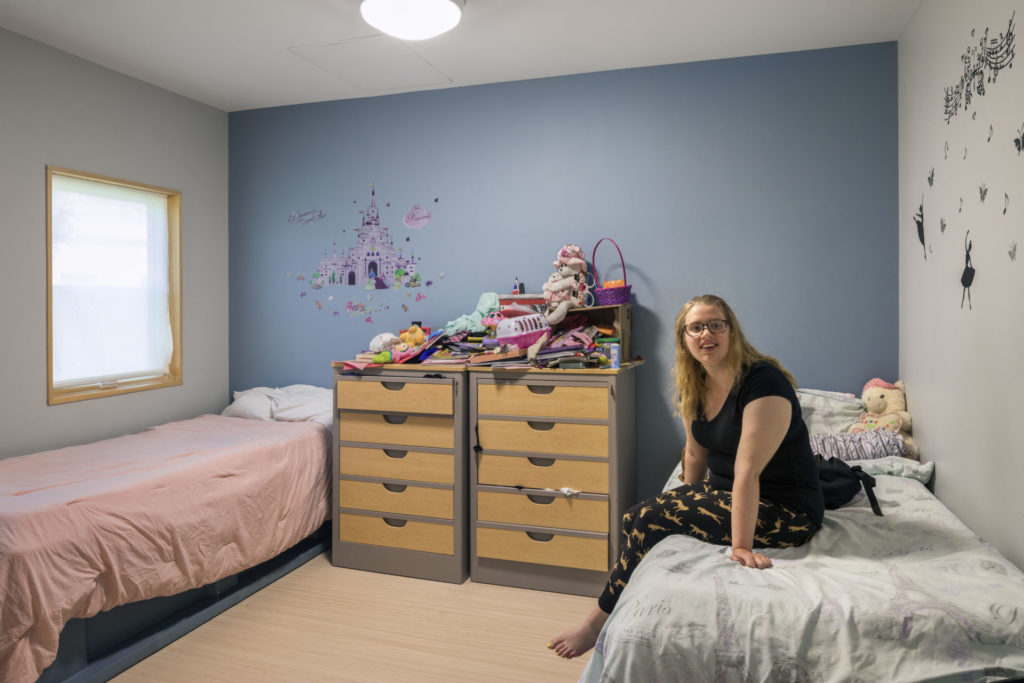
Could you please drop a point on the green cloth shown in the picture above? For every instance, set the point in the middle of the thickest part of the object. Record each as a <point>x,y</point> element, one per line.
<point>473,322</point>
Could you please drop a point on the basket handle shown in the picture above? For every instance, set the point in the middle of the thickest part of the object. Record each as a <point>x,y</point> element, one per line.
<point>593,262</point>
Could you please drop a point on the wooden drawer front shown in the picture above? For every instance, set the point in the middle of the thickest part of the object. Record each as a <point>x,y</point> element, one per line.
<point>398,464</point>
<point>544,437</point>
<point>543,510</point>
<point>397,533</point>
<point>544,400</point>
<point>401,430</point>
<point>400,498</point>
<point>395,396</point>
<point>558,550</point>
<point>542,473</point>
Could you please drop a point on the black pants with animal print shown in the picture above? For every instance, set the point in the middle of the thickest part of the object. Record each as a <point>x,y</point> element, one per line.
<point>702,512</point>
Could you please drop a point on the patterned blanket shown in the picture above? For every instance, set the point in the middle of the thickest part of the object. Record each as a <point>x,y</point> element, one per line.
<point>913,595</point>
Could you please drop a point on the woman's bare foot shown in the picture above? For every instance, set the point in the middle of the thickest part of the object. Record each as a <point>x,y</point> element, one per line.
<point>580,639</point>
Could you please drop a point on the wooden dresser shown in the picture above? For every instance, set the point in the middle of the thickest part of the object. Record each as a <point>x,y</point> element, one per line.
<point>400,472</point>
<point>552,471</point>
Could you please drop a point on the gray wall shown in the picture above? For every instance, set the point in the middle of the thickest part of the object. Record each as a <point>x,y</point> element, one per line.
<point>769,180</point>
<point>964,364</point>
<point>57,109</point>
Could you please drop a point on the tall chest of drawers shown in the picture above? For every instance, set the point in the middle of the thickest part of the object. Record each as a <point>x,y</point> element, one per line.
<point>551,473</point>
<point>400,472</point>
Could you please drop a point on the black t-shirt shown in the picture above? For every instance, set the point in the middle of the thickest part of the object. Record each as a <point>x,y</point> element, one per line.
<point>791,476</point>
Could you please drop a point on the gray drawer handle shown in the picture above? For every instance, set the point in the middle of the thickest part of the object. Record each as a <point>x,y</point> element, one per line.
<point>537,536</point>
<point>396,488</point>
<point>541,426</point>
<point>394,453</point>
<point>395,419</point>
<point>540,499</point>
<point>394,522</point>
<point>393,386</point>
<point>541,462</point>
<point>540,389</point>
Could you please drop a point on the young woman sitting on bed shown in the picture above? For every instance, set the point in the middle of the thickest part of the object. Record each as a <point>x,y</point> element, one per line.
<point>743,425</point>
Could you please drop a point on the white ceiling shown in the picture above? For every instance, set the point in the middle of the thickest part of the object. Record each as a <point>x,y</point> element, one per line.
<point>246,54</point>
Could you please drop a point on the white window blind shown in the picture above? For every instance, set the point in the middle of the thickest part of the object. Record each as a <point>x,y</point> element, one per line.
<point>109,283</point>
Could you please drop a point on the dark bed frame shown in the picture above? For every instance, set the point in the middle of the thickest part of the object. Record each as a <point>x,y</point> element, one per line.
<point>102,646</point>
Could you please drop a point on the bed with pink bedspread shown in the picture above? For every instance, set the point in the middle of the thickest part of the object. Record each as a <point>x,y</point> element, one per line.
<point>178,506</point>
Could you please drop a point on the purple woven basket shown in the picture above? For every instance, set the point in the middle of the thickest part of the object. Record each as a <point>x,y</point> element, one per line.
<point>610,296</point>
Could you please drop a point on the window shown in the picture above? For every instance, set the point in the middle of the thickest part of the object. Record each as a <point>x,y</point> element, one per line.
<point>113,286</point>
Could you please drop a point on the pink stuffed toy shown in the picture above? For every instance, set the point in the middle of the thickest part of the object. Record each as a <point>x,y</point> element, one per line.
<point>885,406</point>
<point>566,286</point>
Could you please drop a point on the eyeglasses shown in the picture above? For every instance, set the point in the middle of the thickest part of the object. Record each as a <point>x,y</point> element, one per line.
<point>715,326</point>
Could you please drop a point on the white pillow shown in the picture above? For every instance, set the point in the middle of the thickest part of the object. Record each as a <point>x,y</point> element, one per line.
<point>828,411</point>
<point>303,402</point>
<point>253,404</point>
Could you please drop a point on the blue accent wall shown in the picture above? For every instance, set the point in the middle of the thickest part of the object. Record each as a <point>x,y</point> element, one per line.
<point>770,180</point>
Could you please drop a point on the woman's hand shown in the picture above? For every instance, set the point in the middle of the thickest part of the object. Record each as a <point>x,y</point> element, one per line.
<point>748,558</point>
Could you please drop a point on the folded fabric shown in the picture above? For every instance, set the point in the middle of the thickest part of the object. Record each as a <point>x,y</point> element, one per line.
<point>861,446</point>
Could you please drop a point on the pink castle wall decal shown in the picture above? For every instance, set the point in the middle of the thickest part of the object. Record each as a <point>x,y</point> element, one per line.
<point>373,263</point>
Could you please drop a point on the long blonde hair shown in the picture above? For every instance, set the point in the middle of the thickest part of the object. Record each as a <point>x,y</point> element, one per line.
<point>691,379</point>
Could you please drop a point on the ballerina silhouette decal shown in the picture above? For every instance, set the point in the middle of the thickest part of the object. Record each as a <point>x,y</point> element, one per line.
<point>967,278</point>
<point>919,219</point>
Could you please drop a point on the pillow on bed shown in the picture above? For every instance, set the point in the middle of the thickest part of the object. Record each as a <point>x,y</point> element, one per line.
<point>252,404</point>
<point>303,402</point>
<point>862,446</point>
<point>828,411</point>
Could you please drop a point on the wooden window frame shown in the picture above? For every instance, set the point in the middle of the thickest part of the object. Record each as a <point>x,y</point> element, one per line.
<point>125,384</point>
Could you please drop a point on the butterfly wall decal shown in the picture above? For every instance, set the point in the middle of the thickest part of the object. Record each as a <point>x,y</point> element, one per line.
<point>1018,141</point>
<point>1013,251</point>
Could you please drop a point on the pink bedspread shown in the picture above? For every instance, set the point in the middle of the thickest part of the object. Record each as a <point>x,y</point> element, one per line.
<point>87,528</point>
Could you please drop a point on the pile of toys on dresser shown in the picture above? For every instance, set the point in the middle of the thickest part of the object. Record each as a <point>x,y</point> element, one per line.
<point>556,329</point>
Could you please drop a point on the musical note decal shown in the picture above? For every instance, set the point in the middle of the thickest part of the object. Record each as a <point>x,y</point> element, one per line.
<point>981,65</point>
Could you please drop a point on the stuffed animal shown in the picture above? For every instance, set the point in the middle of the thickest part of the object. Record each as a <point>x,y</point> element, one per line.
<point>567,285</point>
<point>414,336</point>
<point>885,407</point>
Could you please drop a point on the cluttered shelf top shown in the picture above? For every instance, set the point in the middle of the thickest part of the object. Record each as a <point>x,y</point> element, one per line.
<point>418,367</point>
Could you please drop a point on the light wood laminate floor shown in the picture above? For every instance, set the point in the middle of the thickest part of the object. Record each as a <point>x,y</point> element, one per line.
<point>324,623</point>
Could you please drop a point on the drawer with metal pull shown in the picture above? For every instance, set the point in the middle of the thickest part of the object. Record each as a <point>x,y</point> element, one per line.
<point>533,507</point>
<point>543,472</point>
<point>542,400</point>
<point>578,550</point>
<point>395,395</point>
<point>399,497</point>
<point>397,429</point>
<point>397,463</point>
<point>543,436</point>
<point>397,532</point>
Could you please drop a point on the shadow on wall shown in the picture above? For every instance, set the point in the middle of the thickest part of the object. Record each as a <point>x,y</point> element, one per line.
<point>659,431</point>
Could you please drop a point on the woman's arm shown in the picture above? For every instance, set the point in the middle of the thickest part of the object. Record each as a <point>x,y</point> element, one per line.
<point>695,458</point>
<point>765,422</point>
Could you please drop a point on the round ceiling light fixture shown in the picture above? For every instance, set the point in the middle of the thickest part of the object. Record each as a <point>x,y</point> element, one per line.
<point>412,19</point>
